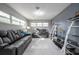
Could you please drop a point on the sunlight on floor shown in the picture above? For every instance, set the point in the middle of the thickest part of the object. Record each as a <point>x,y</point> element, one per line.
<point>42,39</point>
<point>42,46</point>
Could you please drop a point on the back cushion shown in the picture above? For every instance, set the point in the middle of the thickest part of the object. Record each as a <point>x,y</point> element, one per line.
<point>14,35</point>
<point>22,34</point>
<point>15,31</point>
<point>1,41</point>
<point>3,33</point>
<point>19,33</point>
<point>17,36</point>
<point>9,35</point>
<point>6,40</point>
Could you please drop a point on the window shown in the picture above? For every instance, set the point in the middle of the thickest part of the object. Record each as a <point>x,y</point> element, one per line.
<point>4,20</point>
<point>39,24</point>
<point>45,24</point>
<point>4,17</point>
<point>33,24</point>
<point>17,21</point>
<point>4,14</point>
<point>23,23</point>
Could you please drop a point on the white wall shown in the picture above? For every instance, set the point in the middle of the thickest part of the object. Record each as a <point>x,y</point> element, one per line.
<point>5,26</point>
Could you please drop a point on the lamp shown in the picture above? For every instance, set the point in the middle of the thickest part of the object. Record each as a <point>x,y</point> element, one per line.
<point>38,12</point>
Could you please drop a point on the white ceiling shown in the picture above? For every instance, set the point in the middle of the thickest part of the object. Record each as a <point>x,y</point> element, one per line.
<point>50,9</point>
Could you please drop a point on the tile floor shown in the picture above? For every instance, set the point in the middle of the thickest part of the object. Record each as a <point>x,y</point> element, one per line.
<point>42,46</point>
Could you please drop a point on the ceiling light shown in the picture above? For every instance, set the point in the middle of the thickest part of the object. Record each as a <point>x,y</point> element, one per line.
<point>38,12</point>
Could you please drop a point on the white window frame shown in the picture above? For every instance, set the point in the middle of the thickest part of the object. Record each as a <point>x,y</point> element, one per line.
<point>4,17</point>
<point>15,20</point>
<point>18,22</point>
<point>33,24</point>
<point>45,24</point>
<point>3,14</point>
<point>39,24</point>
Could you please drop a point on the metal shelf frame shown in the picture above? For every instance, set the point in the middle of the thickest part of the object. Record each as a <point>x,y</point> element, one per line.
<point>73,20</point>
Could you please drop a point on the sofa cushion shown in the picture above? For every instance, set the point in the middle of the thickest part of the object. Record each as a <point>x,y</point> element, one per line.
<point>17,36</point>
<point>9,35</point>
<point>15,31</point>
<point>20,45</point>
<point>6,40</point>
<point>22,34</point>
<point>26,34</point>
<point>14,35</point>
<point>3,33</point>
<point>19,33</point>
<point>1,41</point>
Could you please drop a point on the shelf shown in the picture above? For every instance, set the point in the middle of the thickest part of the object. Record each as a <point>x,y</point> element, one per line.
<point>71,49</point>
<point>75,26</point>
<point>67,51</point>
<point>75,35</point>
<point>73,45</point>
<point>73,18</point>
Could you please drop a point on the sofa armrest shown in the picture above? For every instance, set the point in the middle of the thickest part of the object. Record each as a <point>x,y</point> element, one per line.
<point>6,50</point>
<point>3,45</point>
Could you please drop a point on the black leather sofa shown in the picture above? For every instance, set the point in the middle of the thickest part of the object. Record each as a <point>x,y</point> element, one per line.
<point>13,42</point>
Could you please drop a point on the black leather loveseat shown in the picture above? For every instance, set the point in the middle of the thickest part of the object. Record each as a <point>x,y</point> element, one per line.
<point>13,42</point>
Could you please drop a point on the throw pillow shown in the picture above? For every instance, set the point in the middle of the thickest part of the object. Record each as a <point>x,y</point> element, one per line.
<point>1,41</point>
<point>6,40</point>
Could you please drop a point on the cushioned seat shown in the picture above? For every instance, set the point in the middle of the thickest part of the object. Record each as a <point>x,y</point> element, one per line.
<point>3,33</point>
<point>3,37</point>
<point>9,35</point>
<point>10,45</point>
<point>1,41</point>
<point>20,45</point>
